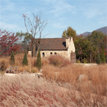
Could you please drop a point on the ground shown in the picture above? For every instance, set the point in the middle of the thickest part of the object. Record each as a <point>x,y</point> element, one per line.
<point>63,84</point>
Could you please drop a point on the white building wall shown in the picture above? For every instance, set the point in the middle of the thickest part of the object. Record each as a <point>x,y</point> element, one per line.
<point>50,53</point>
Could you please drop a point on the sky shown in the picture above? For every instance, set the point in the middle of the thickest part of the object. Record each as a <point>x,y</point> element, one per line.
<point>81,15</point>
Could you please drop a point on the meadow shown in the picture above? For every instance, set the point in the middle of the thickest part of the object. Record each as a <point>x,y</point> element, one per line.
<point>63,84</point>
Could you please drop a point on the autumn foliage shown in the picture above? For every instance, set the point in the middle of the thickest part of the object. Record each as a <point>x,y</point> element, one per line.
<point>8,43</point>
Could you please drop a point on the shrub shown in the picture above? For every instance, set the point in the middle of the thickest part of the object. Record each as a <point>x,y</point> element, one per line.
<point>25,61</point>
<point>58,61</point>
<point>34,70</point>
<point>84,60</point>
<point>38,61</point>
<point>12,59</point>
<point>2,66</point>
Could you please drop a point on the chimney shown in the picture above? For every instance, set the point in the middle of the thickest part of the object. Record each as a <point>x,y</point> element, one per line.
<point>68,40</point>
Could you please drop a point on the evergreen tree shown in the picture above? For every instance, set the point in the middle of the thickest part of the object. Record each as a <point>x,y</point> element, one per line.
<point>12,59</point>
<point>25,61</point>
<point>38,61</point>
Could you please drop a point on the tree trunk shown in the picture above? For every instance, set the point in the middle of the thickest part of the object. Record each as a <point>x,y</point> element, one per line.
<point>34,49</point>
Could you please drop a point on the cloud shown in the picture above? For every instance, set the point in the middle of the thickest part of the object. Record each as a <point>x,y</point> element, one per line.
<point>10,27</point>
<point>59,7</point>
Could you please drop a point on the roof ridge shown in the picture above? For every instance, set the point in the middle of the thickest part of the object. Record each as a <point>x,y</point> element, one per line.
<point>50,38</point>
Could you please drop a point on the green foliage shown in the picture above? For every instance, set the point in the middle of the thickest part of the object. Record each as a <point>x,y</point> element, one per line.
<point>84,60</point>
<point>102,56</point>
<point>97,41</point>
<point>98,59</point>
<point>64,35</point>
<point>38,61</point>
<point>25,61</point>
<point>26,38</point>
<point>69,33</point>
<point>91,48</point>
<point>83,49</point>
<point>12,59</point>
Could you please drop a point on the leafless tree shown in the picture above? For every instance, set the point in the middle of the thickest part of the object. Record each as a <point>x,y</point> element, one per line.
<point>34,27</point>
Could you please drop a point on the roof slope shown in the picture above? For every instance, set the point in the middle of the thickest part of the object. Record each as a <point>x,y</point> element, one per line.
<point>52,44</point>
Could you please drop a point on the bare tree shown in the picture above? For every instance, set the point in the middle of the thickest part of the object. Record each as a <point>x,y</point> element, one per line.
<point>34,27</point>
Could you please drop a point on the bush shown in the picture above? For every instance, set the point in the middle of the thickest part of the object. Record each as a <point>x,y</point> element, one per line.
<point>2,66</point>
<point>38,61</point>
<point>12,59</point>
<point>58,61</point>
<point>25,61</point>
<point>84,60</point>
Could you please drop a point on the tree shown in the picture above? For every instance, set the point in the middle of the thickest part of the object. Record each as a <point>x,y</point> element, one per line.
<point>8,43</point>
<point>38,61</point>
<point>97,39</point>
<point>25,61</point>
<point>25,40</point>
<point>83,49</point>
<point>105,44</point>
<point>12,59</point>
<point>69,33</point>
<point>25,37</point>
<point>102,56</point>
<point>34,27</point>
<point>98,59</point>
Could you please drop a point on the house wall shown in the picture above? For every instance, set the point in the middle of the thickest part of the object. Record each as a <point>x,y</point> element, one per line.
<point>70,46</point>
<point>50,53</point>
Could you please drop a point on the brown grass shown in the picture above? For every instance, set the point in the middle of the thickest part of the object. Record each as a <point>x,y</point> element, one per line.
<point>59,61</point>
<point>26,90</point>
<point>94,81</point>
<point>18,63</point>
<point>89,80</point>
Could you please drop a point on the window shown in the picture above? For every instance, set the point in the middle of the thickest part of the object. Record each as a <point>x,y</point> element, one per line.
<point>55,53</point>
<point>43,54</point>
<point>64,43</point>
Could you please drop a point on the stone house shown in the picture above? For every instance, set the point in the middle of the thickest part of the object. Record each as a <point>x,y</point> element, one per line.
<point>57,46</point>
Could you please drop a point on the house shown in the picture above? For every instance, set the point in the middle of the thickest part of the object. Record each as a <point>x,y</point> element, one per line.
<point>57,46</point>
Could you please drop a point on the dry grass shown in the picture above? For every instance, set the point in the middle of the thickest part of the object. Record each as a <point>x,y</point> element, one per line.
<point>57,60</point>
<point>5,60</point>
<point>94,78</point>
<point>18,63</point>
<point>26,90</point>
<point>70,85</point>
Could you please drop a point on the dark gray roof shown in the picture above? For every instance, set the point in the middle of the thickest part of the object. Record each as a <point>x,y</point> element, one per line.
<point>52,43</point>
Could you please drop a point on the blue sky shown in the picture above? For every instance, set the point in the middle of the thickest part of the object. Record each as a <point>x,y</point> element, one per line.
<point>81,15</point>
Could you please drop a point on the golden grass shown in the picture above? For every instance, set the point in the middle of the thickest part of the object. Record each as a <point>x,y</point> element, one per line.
<point>94,80</point>
<point>18,62</point>
<point>26,90</point>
